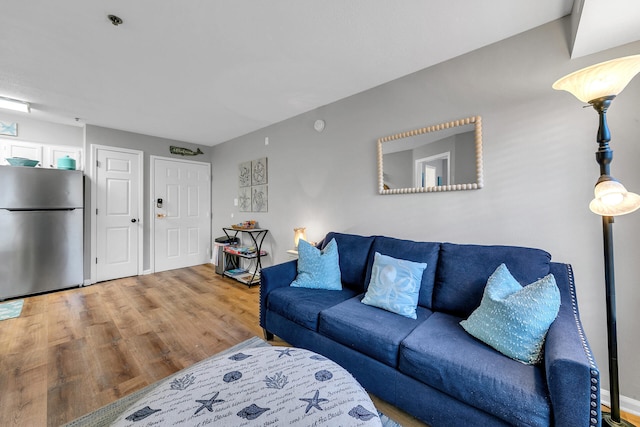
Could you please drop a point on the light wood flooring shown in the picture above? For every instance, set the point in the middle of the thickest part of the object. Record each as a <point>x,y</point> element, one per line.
<point>74,351</point>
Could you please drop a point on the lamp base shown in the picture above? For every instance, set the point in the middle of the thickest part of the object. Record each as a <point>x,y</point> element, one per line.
<point>607,421</point>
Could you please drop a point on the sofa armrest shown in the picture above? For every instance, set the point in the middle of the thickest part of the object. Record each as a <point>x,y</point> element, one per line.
<point>276,276</point>
<point>572,375</point>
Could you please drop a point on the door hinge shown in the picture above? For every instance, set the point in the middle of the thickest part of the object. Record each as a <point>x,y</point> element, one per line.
<point>97,163</point>
<point>96,211</point>
<point>96,260</point>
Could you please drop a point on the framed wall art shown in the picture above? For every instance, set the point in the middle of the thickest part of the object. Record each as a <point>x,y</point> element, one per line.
<point>259,171</point>
<point>252,186</point>
<point>8,129</point>
<point>244,174</point>
<point>259,198</point>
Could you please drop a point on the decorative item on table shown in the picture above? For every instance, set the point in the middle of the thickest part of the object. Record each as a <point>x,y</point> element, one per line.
<point>299,233</point>
<point>21,161</point>
<point>66,163</point>
<point>245,225</point>
<point>236,272</point>
<point>598,85</point>
<point>241,250</point>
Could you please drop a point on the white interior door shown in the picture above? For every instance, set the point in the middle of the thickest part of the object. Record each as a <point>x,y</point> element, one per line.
<point>118,213</point>
<point>181,213</point>
<point>429,176</point>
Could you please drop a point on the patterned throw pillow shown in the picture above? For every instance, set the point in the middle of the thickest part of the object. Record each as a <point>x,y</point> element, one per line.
<point>318,269</point>
<point>514,319</point>
<point>395,285</point>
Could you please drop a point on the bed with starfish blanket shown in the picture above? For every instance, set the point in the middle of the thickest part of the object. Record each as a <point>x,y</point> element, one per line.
<point>256,386</point>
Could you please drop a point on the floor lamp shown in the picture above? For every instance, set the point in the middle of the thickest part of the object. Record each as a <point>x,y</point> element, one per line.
<point>598,85</point>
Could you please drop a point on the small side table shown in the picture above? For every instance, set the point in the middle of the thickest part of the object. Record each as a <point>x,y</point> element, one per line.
<point>251,276</point>
<point>293,254</point>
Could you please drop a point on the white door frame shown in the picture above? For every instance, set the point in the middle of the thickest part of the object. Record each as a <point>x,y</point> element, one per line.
<point>94,204</point>
<point>152,201</point>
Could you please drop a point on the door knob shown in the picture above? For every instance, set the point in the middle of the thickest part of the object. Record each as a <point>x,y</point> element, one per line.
<point>133,220</point>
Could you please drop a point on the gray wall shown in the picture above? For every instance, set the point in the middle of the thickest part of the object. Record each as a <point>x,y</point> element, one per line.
<point>397,174</point>
<point>539,169</point>
<point>464,165</point>
<point>31,130</point>
<point>151,146</point>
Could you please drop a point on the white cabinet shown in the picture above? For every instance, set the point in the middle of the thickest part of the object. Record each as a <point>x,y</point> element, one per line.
<point>47,155</point>
<point>56,152</point>
<point>22,149</point>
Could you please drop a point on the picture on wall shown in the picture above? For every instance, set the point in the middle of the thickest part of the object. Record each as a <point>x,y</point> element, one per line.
<point>259,171</point>
<point>244,199</point>
<point>244,174</point>
<point>252,186</point>
<point>9,129</point>
<point>259,198</point>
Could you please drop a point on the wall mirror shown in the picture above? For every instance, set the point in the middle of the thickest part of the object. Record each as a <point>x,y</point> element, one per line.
<point>443,157</point>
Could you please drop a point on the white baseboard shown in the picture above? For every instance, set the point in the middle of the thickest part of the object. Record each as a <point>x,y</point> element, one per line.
<point>87,282</point>
<point>627,404</point>
<point>145,272</point>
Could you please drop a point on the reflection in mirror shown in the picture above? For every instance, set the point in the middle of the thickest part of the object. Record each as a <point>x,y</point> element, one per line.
<point>444,157</point>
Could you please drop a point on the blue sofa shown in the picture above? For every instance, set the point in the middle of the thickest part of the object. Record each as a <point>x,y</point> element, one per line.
<point>431,367</point>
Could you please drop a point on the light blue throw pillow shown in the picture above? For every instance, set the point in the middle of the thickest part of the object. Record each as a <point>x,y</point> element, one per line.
<point>514,319</point>
<point>318,269</point>
<point>395,285</point>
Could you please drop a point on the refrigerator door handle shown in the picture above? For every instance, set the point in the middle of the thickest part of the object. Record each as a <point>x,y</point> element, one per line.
<point>38,210</point>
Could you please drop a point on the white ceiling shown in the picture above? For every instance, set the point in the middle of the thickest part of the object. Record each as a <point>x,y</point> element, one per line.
<point>604,24</point>
<point>207,71</point>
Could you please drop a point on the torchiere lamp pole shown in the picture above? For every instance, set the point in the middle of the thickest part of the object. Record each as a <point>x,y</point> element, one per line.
<point>598,85</point>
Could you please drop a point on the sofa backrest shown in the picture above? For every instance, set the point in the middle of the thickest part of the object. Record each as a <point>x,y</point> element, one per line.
<point>463,271</point>
<point>412,251</point>
<point>456,275</point>
<point>353,254</point>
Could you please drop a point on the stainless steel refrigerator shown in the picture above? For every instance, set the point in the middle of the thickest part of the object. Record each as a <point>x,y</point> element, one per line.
<point>41,230</point>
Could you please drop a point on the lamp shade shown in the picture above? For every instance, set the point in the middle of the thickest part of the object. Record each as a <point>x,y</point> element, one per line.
<point>612,199</point>
<point>299,233</point>
<point>605,79</point>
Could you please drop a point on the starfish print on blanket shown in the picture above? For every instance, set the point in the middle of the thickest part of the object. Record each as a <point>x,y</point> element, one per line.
<point>314,402</point>
<point>285,352</point>
<point>208,404</point>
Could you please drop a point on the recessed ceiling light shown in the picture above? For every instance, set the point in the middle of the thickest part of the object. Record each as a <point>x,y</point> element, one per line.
<point>115,20</point>
<point>14,104</point>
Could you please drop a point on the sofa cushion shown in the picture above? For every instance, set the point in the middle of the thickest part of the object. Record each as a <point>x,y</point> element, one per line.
<point>354,254</point>
<point>441,354</point>
<point>318,269</point>
<point>413,251</point>
<point>394,285</point>
<point>302,305</point>
<point>369,330</point>
<point>514,319</point>
<point>463,271</point>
